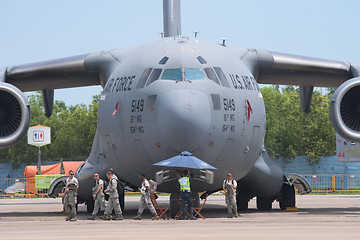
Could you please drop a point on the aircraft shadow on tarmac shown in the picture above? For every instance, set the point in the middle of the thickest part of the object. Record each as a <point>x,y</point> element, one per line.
<point>330,211</point>
<point>30,214</point>
<point>209,211</point>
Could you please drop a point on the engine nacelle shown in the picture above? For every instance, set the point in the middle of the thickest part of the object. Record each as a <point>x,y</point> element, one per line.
<point>14,115</point>
<point>345,110</point>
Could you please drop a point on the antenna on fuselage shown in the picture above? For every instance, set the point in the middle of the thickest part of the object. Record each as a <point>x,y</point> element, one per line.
<point>172,18</point>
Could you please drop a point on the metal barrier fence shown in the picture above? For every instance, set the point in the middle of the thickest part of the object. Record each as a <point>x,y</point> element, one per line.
<point>334,182</point>
<point>22,187</point>
<point>13,187</point>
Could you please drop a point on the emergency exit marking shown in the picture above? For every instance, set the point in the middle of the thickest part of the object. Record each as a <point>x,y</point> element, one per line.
<point>38,136</point>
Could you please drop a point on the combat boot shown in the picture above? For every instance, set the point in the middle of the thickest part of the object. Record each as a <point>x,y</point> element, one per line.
<point>73,219</point>
<point>138,216</point>
<point>68,217</point>
<point>118,217</point>
<point>236,214</point>
<point>230,215</point>
<point>106,218</point>
<point>91,218</point>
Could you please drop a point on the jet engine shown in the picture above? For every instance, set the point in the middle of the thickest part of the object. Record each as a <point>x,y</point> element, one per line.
<point>14,115</point>
<point>345,110</point>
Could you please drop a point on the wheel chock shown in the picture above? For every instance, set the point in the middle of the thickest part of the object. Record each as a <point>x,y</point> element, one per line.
<point>291,209</point>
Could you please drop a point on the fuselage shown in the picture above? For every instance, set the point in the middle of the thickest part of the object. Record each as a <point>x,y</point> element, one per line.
<point>178,94</point>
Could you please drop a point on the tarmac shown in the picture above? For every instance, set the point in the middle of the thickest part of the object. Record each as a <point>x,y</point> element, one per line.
<point>317,217</point>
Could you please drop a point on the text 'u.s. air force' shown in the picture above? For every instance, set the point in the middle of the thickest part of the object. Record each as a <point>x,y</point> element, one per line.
<point>120,84</point>
<point>244,82</point>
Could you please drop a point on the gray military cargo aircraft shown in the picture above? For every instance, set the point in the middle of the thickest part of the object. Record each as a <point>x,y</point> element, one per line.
<point>183,94</point>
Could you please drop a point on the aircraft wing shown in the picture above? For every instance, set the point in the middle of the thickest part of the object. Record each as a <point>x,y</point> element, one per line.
<point>286,69</point>
<point>306,72</point>
<point>77,71</point>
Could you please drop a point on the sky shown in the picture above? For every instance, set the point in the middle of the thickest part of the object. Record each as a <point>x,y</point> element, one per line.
<point>32,31</point>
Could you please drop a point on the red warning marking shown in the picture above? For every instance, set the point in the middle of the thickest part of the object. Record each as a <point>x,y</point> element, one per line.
<point>116,108</point>
<point>249,109</point>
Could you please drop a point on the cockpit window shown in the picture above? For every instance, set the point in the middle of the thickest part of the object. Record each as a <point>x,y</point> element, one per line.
<point>194,74</point>
<point>154,76</point>
<point>201,60</point>
<point>172,74</point>
<point>163,60</point>
<point>184,74</point>
<point>222,77</point>
<point>143,78</point>
<point>211,75</point>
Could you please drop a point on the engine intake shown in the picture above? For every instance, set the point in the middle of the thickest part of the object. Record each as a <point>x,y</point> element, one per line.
<point>345,110</point>
<point>14,115</point>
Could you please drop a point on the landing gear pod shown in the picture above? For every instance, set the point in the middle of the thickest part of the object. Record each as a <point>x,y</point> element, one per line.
<point>14,115</point>
<point>345,110</point>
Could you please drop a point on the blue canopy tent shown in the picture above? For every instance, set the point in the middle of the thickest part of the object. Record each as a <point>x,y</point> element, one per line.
<point>184,160</point>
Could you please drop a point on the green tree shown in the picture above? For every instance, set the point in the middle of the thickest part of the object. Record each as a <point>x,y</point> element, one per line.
<point>291,132</point>
<point>72,132</point>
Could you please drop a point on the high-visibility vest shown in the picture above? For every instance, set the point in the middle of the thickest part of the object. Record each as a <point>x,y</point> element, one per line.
<point>184,184</point>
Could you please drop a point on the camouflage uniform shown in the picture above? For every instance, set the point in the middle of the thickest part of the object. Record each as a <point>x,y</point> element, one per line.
<point>145,199</point>
<point>100,199</point>
<point>70,198</point>
<point>230,197</point>
<point>113,202</point>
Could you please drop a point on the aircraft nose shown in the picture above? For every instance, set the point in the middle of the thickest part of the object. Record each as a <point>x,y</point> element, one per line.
<point>184,118</point>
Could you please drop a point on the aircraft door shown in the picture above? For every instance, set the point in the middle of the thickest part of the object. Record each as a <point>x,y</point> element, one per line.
<point>142,151</point>
<point>111,149</point>
<point>252,151</point>
<point>225,151</point>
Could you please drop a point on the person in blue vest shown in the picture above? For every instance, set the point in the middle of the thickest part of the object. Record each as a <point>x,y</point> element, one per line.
<point>185,194</point>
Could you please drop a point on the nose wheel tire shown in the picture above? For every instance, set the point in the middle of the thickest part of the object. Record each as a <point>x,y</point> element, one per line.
<point>242,199</point>
<point>287,197</point>
<point>90,206</point>
<point>174,207</point>
<point>122,201</point>
<point>264,204</point>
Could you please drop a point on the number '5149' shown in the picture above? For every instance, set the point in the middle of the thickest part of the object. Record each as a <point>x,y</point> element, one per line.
<point>137,105</point>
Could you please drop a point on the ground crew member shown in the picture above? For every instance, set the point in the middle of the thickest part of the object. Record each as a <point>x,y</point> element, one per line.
<point>145,198</point>
<point>185,194</point>
<point>113,202</point>
<point>70,193</point>
<point>98,195</point>
<point>153,187</point>
<point>113,173</point>
<point>121,193</point>
<point>229,187</point>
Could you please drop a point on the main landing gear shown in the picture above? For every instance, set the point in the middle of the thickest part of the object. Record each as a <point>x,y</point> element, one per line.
<point>286,199</point>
